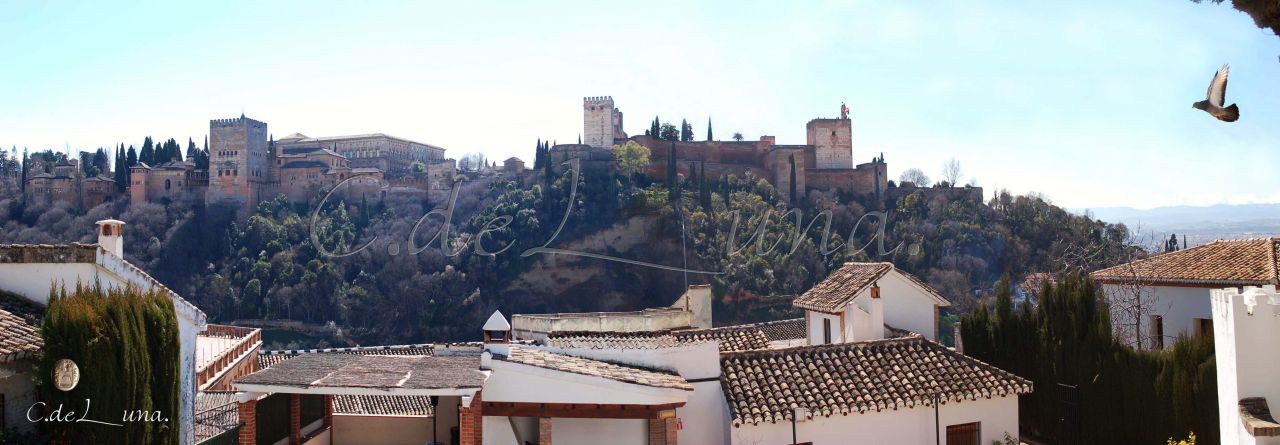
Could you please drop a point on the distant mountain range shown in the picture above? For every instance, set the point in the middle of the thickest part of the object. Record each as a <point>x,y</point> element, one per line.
<point>1199,224</point>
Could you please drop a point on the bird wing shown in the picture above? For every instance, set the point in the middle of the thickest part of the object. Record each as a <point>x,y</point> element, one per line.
<point>1217,93</point>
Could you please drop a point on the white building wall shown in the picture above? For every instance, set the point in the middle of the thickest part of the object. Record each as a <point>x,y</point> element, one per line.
<point>1179,307</point>
<point>906,306</point>
<point>905,426</point>
<point>816,331</point>
<point>33,281</point>
<point>380,430</point>
<point>705,415</point>
<point>1246,359</point>
<point>600,432</point>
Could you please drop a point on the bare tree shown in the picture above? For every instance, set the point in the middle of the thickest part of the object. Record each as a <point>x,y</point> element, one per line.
<point>951,172</point>
<point>915,176</point>
<point>1131,300</point>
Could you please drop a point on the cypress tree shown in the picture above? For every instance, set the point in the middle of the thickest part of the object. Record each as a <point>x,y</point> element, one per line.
<point>655,129</point>
<point>26,161</point>
<point>121,171</point>
<point>709,137</point>
<point>131,157</point>
<point>148,153</point>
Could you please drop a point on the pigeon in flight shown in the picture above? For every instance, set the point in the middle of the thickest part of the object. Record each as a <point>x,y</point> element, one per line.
<point>1216,97</point>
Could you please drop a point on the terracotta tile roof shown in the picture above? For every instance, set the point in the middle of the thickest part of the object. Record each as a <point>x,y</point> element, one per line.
<point>793,329</point>
<point>763,386</point>
<point>843,285</point>
<point>833,293</point>
<point>19,327</point>
<point>383,405</point>
<point>596,368</point>
<point>731,338</point>
<point>612,340</point>
<point>1220,263</point>
<point>216,413</point>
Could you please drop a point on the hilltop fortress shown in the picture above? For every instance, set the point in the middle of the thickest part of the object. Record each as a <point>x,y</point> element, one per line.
<point>823,162</point>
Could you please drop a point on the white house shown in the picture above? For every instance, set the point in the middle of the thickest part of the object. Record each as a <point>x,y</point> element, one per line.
<point>1174,287</point>
<point>29,270</point>
<point>1245,325</point>
<point>855,302</point>
<point>579,383</point>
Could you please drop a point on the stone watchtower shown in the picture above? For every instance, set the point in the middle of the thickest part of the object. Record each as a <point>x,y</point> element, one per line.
<point>602,123</point>
<point>832,140</point>
<point>239,160</point>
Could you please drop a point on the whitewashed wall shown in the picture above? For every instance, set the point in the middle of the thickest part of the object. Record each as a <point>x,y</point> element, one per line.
<point>907,426</point>
<point>1179,306</point>
<point>906,306</point>
<point>1246,358</point>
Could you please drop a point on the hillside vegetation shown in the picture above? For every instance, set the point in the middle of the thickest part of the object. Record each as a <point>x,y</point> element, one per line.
<point>409,285</point>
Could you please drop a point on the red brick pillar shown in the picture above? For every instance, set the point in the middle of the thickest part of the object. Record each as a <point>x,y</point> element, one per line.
<point>471,423</point>
<point>328,410</point>
<point>295,419</point>
<point>662,431</point>
<point>249,422</point>
<point>544,431</point>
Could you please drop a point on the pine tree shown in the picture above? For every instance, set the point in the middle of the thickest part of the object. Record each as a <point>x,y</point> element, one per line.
<point>709,137</point>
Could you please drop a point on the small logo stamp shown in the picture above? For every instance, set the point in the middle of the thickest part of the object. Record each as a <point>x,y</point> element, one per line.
<point>65,375</point>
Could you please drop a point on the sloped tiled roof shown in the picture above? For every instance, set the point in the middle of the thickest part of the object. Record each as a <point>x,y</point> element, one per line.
<point>392,373</point>
<point>833,293</point>
<point>595,368</point>
<point>612,340</point>
<point>266,359</point>
<point>850,378</point>
<point>19,327</point>
<point>731,338</point>
<point>216,413</point>
<point>793,329</point>
<point>383,405</point>
<point>1246,262</point>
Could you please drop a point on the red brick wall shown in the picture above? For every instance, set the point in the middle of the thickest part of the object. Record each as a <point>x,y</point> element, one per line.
<point>471,423</point>
<point>544,431</point>
<point>249,423</point>
<point>662,431</point>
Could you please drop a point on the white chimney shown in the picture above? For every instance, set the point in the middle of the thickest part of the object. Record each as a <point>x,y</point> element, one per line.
<point>877,312</point>
<point>111,236</point>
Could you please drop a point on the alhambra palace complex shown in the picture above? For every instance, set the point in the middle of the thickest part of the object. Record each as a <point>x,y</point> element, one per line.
<point>247,165</point>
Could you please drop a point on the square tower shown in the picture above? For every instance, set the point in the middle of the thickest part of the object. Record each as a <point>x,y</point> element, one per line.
<point>239,160</point>
<point>601,122</point>
<point>832,140</point>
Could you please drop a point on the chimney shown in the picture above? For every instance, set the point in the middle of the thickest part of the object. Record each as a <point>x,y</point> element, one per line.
<point>111,237</point>
<point>877,313</point>
<point>496,329</point>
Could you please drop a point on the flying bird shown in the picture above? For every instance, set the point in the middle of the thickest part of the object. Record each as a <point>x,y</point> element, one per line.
<point>1216,97</point>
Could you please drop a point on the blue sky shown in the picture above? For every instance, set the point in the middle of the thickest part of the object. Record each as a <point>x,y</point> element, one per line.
<point>1086,102</point>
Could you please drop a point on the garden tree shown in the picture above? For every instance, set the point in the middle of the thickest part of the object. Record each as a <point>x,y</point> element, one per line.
<point>131,157</point>
<point>704,189</point>
<point>655,129</point>
<point>791,159</point>
<point>668,132</point>
<point>538,155</point>
<point>26,162</point>
<point>121,171</point>
<point>915,176</point>
<point>709,137</point>
<point>686,131</point>
<point>1064,345</point>
<point>1265,13</point>
<point>125,343</point>
<point>737,136</point>
<point>632,158</point>
<point>951,172</point>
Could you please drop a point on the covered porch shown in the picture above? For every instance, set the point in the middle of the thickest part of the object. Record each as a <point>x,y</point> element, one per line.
<point>293,401</point>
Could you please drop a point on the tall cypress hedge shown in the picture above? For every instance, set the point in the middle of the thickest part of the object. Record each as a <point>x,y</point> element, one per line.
<point>125,343</point>
<point>1090,388</point>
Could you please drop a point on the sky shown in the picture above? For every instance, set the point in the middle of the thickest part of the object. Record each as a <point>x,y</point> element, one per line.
<point>1087,103</point>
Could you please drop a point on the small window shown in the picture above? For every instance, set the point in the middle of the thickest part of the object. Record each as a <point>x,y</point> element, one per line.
<point>826,331</point>
<point>1203,326</point>
<point>963,434</point>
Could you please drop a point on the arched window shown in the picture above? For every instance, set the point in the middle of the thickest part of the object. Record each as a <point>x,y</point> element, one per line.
<point>166,184</point>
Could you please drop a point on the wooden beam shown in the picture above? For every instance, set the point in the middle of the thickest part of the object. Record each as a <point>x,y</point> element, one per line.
<point>576,410</point>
